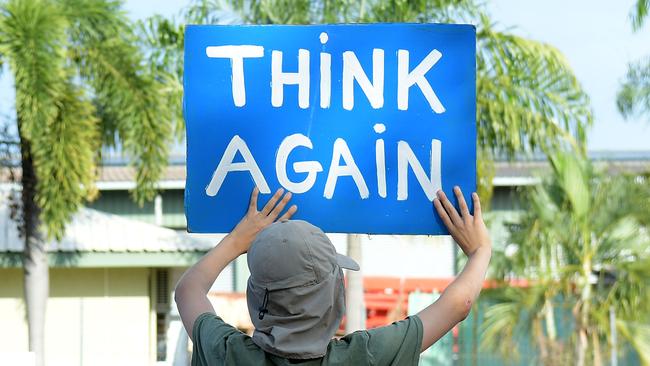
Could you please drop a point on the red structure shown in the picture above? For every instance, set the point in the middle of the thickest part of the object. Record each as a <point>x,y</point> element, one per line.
<point>386,298</point>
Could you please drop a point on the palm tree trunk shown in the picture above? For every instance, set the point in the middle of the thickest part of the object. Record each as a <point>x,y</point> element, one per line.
<point>35,263</point>
<point>613,338</point>
<point>542,342</point>
<point>582,345</point>
<point>598,361</point>
<point>551,330</point>
<point>583,316</point>
<point>355,316</point>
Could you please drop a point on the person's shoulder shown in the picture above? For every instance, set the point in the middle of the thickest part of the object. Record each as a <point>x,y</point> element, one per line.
<point>352,349</point>
<point>397,343</point>
<point>209,323</point>
<point>210,330</point>
<point>397,328</point>
<point>214,339</point>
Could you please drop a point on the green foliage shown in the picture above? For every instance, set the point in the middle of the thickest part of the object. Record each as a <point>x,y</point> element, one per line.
<point>32,43</point>
<point>81,82</point>
<point>502,318</point>
<point>64,151</point>
<point>485,172</point>
<point>634,96</point>
<point>162,41</point>
<point>639,336</point>
<point>639,13</point>
<point>583,242</point>
<point>527,95</point>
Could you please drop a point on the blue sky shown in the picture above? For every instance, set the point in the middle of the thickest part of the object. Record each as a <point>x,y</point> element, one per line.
<point>594,35</point>
<point>596,38</point>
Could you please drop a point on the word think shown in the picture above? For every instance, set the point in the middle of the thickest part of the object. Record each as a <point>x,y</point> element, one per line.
<point>352,71</point>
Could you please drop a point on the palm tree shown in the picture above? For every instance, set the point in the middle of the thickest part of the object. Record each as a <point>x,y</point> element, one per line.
<point>583,244</point>
<point>634,96</point>
<point>80,84</point>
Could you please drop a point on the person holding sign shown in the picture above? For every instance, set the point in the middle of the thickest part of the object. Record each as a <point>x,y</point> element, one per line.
<point>296,299</point>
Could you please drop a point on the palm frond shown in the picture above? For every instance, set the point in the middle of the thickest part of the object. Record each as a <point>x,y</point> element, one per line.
<point>527,95</point>
<point>422,11</point>
<point>639,13</point>
<point>514,312</point>
<point>638,335</point>
<point>633,98</point>
<point>63,152</point>
<point>162,41</point>
<point>132,102</point>
<point>581,228</point>
<point>33,34</point>
<point>573,177</point>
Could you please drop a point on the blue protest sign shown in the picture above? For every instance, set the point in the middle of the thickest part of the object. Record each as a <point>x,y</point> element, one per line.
<point>364,123</point>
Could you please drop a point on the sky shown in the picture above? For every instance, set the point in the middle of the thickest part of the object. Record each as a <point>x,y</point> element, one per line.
<point>595,36</point>
<point>597,39</point>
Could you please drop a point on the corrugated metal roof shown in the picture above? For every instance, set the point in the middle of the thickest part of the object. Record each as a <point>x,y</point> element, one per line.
<point>122,177</point>
<point>525,169</point>
<point>91,230</point>
<point>508,173</point>
<point>110,173</point>
<point>126,174</point>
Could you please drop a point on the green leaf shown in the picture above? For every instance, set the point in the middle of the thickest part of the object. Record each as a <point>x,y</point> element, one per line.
<point>33,34</point>
<point>638,335</point>
<point>639,13</point>
<point>527,95</point>
<point>633,98</point>
<point>573,180</point>
<point>63,152</point>
<point>133,104</point>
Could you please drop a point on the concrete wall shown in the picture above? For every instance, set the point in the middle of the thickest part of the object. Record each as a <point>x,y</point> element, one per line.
<point>110,307</point>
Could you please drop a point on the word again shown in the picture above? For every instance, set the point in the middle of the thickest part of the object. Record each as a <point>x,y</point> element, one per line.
<point>352,72</point>
<point>346,168</point>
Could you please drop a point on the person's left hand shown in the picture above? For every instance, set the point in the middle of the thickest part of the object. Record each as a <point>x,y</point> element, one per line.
<point>254,221</point>
<point>469,231</point>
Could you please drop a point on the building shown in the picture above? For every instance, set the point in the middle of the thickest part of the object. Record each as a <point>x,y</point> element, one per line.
<point>112,275</point>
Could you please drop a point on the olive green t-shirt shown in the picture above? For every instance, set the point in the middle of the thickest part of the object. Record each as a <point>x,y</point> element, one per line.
<point>397,344</point>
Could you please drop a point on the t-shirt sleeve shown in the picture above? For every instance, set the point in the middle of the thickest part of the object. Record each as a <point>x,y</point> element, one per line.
<point>396,344</point>
<point>209,334</point>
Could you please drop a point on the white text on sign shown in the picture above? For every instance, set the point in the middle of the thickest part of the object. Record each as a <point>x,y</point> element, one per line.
<point>352,71</point>
<point>340,151</point>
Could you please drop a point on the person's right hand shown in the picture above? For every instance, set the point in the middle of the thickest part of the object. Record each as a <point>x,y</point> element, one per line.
<point>468,230</point>
<point>255,221</point>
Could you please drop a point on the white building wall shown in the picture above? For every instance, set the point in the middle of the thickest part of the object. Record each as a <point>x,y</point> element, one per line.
<point>403,256</point>
<point>94,316</point>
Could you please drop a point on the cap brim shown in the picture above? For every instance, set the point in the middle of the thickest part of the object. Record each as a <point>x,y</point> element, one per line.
<point>347,262</point>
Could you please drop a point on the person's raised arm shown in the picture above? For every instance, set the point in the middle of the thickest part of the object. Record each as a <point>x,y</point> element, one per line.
<point>471,235</point>
<point>192,289</point>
